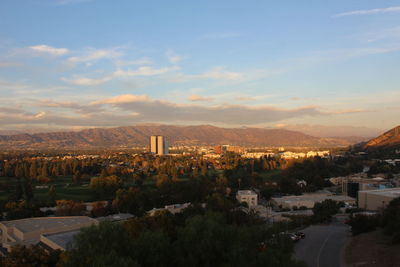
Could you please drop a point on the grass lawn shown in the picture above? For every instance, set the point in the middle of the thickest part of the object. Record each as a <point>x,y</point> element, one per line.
<point>270,176</point>
<point>65,189</point>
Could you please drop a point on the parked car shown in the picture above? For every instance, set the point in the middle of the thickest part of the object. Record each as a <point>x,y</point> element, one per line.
<point>300,234</point>
<point>294,237</point>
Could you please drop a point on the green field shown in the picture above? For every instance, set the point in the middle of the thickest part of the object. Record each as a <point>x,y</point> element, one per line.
<point>270,176</point>
<point>65,189</point>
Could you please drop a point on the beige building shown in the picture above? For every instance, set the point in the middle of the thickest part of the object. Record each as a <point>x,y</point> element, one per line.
<point>247,196</point>
<point>174,208</point>
<point>308,200</point>
<point>377,199</point>
<point>158,145</point>
<point>29,231</point>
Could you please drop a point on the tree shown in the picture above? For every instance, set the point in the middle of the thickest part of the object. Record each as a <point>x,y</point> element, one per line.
<point>363,223</point>
<point>32,256</point>
<point>391,220</point>
<point>98,209</point>
<point>28,189</point>
<point>18,190</point>
<point>161,179</point>
<point>33,170</point>
<point>19,171</point>
<point>44,172</point>
<point>106,244</point>
<point>52,193</point>
<point>70,208</point>
<point>324,210</point>
<point>105,186</point>
<point>77,177</point>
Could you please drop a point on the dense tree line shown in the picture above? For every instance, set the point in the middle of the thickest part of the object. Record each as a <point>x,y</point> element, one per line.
<point>197,237</point>
<point>388,220</point>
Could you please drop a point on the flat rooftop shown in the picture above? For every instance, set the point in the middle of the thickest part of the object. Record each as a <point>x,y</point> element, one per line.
<point>246,192</point>
<point>62,239</point>
<point>44,223</point>
<point>317,197</point>
<point>390,192</point>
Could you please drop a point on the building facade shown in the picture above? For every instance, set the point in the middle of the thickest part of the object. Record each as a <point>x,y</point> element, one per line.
<point>29,231</point>
<point>377,199</point>
<point>247,196</point>
<point>158,145</point>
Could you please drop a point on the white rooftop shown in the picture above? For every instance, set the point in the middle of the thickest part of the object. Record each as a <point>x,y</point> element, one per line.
<point>390,192</point>
<point>246,192</point>
<point>44,223</point>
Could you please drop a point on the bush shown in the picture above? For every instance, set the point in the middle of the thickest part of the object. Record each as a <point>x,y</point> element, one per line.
<point>363,223</point>
<point>324,210</point>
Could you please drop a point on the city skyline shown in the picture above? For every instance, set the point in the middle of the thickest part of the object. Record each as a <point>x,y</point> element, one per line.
<point>73,64</point>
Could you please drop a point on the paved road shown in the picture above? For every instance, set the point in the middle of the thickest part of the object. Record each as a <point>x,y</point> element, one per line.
<point>323,244</point>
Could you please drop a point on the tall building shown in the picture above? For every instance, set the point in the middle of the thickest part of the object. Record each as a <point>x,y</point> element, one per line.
<point>158,145</point>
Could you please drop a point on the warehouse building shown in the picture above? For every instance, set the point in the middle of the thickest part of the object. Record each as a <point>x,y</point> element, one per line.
<point>377,199</point>
<point>30,231</point>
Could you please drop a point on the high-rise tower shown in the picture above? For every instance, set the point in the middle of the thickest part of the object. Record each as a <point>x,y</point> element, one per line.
<point>158,145</point>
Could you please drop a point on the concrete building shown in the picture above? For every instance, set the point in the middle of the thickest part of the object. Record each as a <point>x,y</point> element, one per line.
<point>247,196</point>
<point>29,231</point>
<point>377,199</point>
<point>158,145</point>
<point>352,184</point>
<point>58,240</point>
<point>308,200</point>
<point>174,208</point>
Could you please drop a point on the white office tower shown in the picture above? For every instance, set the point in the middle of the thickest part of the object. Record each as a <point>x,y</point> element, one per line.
<point>158,145</point>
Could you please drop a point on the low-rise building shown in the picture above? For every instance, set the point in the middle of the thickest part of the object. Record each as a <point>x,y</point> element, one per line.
<point>309,200</point>
<point>174,208</point>
<point>29,231</point>
<point>377,199</point>
<point>247,196</point>
<point>58,240</point>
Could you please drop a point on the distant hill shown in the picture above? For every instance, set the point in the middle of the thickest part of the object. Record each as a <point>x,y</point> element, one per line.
<point>184,135</point>
<point>390,139</point>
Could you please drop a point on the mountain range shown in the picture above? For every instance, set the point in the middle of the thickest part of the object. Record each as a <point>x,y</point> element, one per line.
<point>177,135</point>
<point>390,139</point>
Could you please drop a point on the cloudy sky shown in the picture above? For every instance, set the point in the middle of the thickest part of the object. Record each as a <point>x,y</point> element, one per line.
<point>71,64</point>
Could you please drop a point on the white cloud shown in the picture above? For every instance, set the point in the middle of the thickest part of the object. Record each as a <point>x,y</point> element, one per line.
<point>140,61</point>
<point>128,98</point>
<point>199,98</point>
<point>93,55</point>
<point>245,98</point>
<point>141,71</point>
<point>49,50</point>
<point>40,115</point>
<point>349,111</point>
<point>219,73</point>
<point>86,81</point>
<point>394,9</point>
<point>173,58</point>
<point>144,71</point>
<point>150,110</point>
<point>8,64</point>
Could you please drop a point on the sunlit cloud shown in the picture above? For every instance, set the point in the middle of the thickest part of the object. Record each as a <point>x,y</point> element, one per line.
<point>45,49</point>
<point>173,58</point>
<point>394,9</point>
<point>95,54</point>
<point>141,71</point>
<point>198,98</point>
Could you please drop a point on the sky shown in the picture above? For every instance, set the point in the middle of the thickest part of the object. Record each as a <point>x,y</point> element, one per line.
<point>72,64</point>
